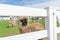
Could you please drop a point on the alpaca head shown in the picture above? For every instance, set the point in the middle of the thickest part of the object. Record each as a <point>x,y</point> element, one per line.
<point>23,21</point>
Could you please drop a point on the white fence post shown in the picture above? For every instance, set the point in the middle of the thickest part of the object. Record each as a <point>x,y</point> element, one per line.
<point>55,24</point>
<point>52,35</point>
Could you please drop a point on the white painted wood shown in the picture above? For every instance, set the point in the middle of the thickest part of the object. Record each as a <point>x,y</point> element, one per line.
<point>10,10</point>
<point>58,29</point>
<point>28,36</point>
<point>58,13</point>
<point>51,24</point>
<point>54,24</point>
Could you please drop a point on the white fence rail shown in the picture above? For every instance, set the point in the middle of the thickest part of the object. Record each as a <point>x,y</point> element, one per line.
<point>27,36</point>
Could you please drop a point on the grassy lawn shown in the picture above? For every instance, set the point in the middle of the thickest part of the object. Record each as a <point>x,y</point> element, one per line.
<point>4,31</point>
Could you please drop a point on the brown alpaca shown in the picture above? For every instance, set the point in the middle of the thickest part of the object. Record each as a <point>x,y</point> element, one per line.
<point>28,28</point>
<point>32,27</point>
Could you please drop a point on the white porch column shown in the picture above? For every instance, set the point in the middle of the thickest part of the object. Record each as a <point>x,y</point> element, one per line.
<point>52,33</point>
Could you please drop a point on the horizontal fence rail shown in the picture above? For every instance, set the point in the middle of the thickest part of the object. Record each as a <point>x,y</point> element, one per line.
<point>58,30</point>
<point>10,10</point>
<point>27,36</point>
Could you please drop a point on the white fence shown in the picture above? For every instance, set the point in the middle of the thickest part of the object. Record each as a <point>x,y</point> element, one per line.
<point>51,29</point>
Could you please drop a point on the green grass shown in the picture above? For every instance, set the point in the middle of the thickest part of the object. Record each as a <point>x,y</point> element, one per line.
<point>4,31</point>
<point>58,24</point>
